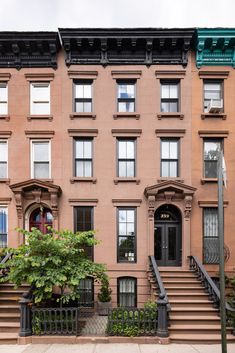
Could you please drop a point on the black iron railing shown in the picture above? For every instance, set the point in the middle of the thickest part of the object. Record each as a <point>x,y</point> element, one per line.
<point>132,322</point>
<point>4,269</point>
<point>210,286</point>
<point>163,306</point>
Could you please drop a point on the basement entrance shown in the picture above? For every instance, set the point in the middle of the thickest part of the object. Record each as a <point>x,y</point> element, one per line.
<point>167,236</point>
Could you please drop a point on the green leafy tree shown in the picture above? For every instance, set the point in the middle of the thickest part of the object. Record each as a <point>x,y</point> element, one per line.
<point>56,258</point>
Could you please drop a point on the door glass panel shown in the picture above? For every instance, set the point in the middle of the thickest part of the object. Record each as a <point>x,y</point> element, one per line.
<point>172,243</point>
<point>158,243</point>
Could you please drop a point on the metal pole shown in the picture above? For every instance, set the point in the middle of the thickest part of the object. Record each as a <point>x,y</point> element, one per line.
<point>221,253</point>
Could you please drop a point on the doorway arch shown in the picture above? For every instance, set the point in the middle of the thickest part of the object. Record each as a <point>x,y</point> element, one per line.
<point>168,236</point>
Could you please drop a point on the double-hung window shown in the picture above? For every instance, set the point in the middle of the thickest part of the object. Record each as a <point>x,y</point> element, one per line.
<point>3,98</point>
<point>3,226</point>
<point>3,158</point>
<point>83,222</point>
<point>169,96</point>
<point>127,292</point>
<point>126,96</point>
<point>213,93</point>
<point>83,157</point>
<point>126,158</point>
<point>169,158</point>
<point>126,234</point>
<point>40,98</point>
<point>86,292</point>
<point>82,96</point>
<point>210,235</point>
<point>40,159</point>
<point>212,147</point>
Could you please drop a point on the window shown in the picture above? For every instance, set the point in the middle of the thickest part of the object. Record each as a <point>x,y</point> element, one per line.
<point>212,91</point>
<point>127,292</point>
<point>3,159</point>
<point>40,98</point>
<point>126,97</point>
<point>210,235</point>
<point>86,292</point>
<point>83,96</point>
<point>3,227</point>
<point>83,158</point>
<point>169,158</point>
<point>212,148</point>
<point>3,98</point>
<point>83,221</point>
<point>126,158</point>
<point>126,235</point>
<point>169,96</point>
<point>40,164</point>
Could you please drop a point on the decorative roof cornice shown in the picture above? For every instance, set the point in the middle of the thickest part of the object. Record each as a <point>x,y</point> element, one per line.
<point>29,49</point>
<point>215,46</point>
<point>109,46</point>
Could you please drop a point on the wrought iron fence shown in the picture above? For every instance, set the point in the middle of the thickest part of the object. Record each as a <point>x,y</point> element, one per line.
<point>132,322</point>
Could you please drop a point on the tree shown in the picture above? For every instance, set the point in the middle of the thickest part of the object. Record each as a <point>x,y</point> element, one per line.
<point>56,258</point>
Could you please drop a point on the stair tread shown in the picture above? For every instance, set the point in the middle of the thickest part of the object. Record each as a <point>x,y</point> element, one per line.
<point>186,288</point>
<point>193,317</point>
<point>199,337</point>
<point>196,301</point>
<point>9,324</point>
<point>6,335</point>
<point>9,315</point>
<point>185,294</point>
<point>193,308</point>
<point>9,306</point>
<point>198,327</point>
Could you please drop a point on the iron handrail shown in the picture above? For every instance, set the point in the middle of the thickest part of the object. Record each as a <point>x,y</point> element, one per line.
<point>210,286</point>
<point>6,258</point>
<point>162,292</point>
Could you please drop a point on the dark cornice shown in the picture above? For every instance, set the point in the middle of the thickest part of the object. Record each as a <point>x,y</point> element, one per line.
<point>145,46</point>
<point>29,49</point>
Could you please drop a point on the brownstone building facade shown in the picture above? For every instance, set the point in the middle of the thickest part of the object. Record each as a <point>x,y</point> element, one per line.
<point>115,130</point>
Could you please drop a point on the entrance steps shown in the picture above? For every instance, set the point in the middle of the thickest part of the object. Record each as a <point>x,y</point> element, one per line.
<point>192,317</point>
<point>10,312</point>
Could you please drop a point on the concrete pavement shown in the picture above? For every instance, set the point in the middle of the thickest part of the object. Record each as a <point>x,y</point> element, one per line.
<point>115,348</point>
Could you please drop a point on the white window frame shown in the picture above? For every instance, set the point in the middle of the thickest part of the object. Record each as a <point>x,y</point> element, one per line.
<point>6,141</point>
<point>32,103</point>
<point>32,154</point>
<point>6,208</point>
<point>5,84</point>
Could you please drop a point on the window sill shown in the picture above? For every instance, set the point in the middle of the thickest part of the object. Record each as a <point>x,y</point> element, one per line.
<point>5,180</point>
<point>167,179</point>
<point>209,180</point>
<point>213,115</point>
<point>170,115</point>
<point>126,115</point>
<point>5,117</point>
<point>82,116</point>
<point>83,179</point>
<point>126,180</point>
<point>40,117</point>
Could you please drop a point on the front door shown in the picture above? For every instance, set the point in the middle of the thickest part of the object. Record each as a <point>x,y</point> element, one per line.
<point>41,218</point>
<point>167,236</point>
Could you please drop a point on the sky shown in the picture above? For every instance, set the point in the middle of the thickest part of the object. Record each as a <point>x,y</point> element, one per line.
<point>48,15</point>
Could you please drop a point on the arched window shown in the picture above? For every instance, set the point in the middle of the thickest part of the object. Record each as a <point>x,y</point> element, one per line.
<point>127,291</point>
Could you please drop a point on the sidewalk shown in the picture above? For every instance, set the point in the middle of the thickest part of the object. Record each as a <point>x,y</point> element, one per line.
<point>115,348</point>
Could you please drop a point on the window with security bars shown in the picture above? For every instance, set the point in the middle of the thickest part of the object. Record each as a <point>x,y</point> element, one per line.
<point>40,159</point>
<point>127,292</point>
<point>3,227</point>
<point>83,158</point>
<point>82,96</point>
<point>3,159</point>
<point>212,92</point>
<point>212,147</point>
<point>40,98</point>
<point>126,97</point>
<point>126,158</point>
<point>126,235</point>
<point>86,292</point>
<point>83,222</point>
<point>169,158</point>
<point>169,96</point>
<point>210,236</point>
<point>3,98</point>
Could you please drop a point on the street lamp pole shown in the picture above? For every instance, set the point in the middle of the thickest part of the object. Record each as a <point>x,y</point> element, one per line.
<point>221,252</point>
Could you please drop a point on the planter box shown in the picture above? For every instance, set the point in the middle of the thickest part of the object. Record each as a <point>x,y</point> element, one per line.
<point>103,308</point>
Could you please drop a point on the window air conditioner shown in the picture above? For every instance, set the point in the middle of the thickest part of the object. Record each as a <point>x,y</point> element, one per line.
<point>215,106</point>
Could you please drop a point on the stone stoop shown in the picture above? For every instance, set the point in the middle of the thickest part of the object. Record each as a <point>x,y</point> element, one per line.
<point>192,317</point>
<point>10,312</point>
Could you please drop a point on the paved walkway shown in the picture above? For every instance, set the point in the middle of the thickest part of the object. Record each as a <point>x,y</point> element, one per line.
<point>115,348</point>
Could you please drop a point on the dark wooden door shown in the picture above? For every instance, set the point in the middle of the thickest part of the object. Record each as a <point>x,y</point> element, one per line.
<point>167,249</point>
<point>41,219</point>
